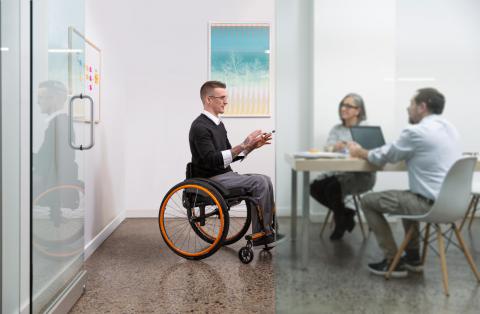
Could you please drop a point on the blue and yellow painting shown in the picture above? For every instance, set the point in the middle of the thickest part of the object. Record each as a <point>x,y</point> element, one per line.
<point>240,57</point>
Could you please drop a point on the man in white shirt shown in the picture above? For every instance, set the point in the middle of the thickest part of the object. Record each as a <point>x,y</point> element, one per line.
<point>429,148</point>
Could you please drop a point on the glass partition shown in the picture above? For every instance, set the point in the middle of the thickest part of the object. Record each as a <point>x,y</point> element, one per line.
<point>58,128</point>
<point>384,51</point>
<point>10,155</point>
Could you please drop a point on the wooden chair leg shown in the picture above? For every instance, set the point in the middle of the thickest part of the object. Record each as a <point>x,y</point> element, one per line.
<point>466,252</point>
<point>469,209</point>
<point>474,209</point>
<point>325,222</point>
<point>425,243</point>
<point>396,259</point>
<point>443,261</point>
<point>357,210</point>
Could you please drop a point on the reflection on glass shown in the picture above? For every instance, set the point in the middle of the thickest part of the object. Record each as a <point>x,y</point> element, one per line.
<point>57,206</point>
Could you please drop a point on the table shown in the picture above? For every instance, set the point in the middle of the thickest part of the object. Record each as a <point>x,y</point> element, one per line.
<point>324,164</point>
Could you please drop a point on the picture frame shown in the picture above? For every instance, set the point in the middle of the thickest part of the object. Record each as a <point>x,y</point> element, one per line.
<point>240,56</point>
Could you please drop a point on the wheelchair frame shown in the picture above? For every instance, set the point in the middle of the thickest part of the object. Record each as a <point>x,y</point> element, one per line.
<point>196,195</point>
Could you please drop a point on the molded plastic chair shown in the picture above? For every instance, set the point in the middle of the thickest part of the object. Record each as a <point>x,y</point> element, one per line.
<point>449,207</point>
<point>472,208</point>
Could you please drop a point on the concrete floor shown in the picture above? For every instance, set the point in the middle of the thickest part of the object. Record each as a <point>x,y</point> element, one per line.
<point>134,272</point>
<point>336,279</point>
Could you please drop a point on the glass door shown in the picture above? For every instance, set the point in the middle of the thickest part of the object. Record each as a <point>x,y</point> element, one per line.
<point>62,129</point>
<point>10,156</point>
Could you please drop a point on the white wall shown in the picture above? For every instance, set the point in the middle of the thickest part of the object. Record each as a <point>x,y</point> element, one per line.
<point>355,51</point>
<point>165,54</point>
<point>105,175</point>
<point>155,56</point>
<point>440,41</point>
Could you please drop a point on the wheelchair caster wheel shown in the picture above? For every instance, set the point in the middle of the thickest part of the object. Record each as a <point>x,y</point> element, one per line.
<point>245,254</point>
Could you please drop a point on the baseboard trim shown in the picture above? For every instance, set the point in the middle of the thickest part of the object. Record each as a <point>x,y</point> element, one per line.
<point>93,245</point>
<point>64,302</point>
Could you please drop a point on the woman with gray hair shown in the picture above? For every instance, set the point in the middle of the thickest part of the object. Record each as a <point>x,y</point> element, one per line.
<point>331,188</point>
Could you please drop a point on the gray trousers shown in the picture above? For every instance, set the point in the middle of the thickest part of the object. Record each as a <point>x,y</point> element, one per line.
<point>260,188</point>
<point>375,205</point>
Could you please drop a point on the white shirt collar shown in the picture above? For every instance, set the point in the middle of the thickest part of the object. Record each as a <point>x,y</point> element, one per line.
<point>215,120</point>
<point>429,117</point>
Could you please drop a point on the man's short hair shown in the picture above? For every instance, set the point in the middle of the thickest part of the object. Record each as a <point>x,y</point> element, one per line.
<point>434,100</point>
<point>208,86</point>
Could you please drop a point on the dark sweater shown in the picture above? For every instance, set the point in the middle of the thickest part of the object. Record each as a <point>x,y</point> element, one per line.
<point>207,141</point>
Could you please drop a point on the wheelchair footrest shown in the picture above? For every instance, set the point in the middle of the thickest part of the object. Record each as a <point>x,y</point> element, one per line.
<point>255,236</point>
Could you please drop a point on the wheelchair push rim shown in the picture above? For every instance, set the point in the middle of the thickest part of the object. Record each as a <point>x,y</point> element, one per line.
<point>176,217</point>
<point>239,223</point>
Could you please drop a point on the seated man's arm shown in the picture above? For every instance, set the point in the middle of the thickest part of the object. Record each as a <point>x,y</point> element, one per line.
<point>228,155</point>
<point>402,149</point>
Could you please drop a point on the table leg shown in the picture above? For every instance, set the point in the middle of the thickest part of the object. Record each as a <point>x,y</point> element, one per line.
<point>293,221</point>
<point>306,218</point>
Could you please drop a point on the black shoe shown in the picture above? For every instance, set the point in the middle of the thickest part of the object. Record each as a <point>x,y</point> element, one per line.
<point>270,240</point>
<point>349,219</point>
<point>412,262</point>
<point>340,228</point>
<point>381,269</point>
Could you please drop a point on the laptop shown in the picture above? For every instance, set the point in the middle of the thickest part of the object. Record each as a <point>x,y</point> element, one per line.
<point>369,137</point>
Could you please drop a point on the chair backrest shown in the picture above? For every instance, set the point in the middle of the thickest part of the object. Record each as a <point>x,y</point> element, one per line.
<point>454,196</point>
<point>189,171</point>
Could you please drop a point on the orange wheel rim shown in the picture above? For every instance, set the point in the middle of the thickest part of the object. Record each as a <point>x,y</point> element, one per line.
<point>162,225</point>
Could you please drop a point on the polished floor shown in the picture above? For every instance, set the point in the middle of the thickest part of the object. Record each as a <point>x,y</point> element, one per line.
<point>335,278</point>
<point>134,272</point>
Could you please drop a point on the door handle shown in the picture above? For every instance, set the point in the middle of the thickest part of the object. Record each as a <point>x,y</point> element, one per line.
<point>71,141</point>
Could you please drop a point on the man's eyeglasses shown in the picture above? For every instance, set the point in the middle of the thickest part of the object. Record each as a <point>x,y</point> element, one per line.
<point>222,98</point>
<point>348,106</point>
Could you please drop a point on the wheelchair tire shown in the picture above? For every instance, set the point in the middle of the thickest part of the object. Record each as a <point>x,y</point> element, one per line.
<point>238,225</point>
<point>176,216</point>
<point>245,255</point>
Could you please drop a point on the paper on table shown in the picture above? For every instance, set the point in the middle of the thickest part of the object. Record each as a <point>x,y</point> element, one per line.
<point>310,155</point>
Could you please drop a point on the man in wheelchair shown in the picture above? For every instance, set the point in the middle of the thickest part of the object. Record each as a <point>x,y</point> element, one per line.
<point>212,155</point>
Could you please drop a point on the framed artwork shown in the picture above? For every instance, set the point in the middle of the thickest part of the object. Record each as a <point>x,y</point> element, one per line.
<point>89,68</point>
<point>239,55</point>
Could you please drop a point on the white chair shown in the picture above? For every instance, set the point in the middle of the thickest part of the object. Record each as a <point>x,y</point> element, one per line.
<point>472,208</point>
<point>449,207</point>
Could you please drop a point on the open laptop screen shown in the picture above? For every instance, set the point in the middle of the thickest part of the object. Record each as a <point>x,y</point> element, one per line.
<point>369,137</point>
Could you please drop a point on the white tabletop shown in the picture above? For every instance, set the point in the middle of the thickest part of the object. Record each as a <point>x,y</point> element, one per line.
<point>344,164</point>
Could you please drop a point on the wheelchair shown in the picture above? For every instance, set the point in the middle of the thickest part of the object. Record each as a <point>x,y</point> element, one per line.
<point>198,216</point>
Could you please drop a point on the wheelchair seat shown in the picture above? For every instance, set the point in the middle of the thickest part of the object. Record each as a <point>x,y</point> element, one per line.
<point>226,193</point>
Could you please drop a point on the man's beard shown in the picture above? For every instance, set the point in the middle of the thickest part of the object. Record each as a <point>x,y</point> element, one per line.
<point>411,121</point>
